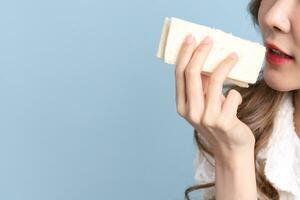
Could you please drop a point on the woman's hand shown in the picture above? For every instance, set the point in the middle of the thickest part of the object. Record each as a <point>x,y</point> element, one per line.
<point>199,99</point>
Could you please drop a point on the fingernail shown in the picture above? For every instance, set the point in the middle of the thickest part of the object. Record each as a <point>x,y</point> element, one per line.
<point>233,55</point>
<point>189,39</point>
<point>206,40</point>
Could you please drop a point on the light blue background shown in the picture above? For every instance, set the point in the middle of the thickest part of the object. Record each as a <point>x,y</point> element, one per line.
<point>87,111</point>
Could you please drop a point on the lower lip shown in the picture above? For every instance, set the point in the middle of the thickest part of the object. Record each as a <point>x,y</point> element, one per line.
<point>277,60</point>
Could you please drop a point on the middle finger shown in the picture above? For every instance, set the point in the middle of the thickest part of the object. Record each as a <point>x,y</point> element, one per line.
<point>215,87</point>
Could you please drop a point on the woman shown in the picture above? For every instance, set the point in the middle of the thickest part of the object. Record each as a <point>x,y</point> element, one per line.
<point>248,139</point>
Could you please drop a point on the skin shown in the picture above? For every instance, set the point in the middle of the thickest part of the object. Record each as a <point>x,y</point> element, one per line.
<point>199,98</point>
<point>279,22</point>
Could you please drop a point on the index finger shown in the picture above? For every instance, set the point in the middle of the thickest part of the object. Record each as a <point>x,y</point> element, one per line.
<point>184,55</point>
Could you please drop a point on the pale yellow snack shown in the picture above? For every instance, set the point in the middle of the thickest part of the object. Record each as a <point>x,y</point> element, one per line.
<point>251,54</point>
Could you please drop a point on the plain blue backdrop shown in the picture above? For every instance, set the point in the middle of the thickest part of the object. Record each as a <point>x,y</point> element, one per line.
<point>87,111</point>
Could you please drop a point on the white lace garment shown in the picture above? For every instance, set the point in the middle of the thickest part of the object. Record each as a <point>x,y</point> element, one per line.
<point>281,157</point>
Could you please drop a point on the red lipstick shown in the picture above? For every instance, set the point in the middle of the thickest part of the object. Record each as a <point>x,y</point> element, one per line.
<point>276,56</point>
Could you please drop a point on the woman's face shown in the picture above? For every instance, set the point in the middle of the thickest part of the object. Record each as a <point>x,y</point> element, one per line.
<point>279,22</point>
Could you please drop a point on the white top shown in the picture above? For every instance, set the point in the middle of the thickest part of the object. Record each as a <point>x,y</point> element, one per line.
<point>281,156</point>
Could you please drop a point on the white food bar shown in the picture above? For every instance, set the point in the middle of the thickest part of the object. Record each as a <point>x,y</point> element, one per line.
<point>251,54</point>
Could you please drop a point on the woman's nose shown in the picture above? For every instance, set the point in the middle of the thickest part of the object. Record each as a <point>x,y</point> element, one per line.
<point>277,17</point>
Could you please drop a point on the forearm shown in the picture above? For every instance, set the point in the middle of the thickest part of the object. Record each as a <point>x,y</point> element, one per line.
<point>235,179</point>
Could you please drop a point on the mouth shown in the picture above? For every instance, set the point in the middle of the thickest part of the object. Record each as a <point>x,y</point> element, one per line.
<point>278,53</point>
<point>274,50</point>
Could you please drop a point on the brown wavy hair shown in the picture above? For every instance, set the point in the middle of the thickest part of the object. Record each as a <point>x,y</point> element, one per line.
<point>257,110</point>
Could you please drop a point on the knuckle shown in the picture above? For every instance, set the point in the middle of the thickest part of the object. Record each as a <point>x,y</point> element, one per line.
<point>215,79</point>
<point>180,111</point>
<point>190,71</point>
<point>221,124</point>
<point>194,117</point>
<point>207,122</point>
<point>178,73</point>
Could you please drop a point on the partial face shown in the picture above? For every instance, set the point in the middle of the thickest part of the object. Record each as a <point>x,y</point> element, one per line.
<point>279,22</point>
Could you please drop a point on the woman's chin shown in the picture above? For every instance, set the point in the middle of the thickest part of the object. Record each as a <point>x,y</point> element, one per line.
<point>274,79</point>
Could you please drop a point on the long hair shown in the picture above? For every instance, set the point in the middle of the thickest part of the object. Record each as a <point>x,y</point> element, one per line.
<point>257,110</point>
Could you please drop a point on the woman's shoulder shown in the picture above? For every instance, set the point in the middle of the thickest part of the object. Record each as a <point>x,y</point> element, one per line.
<point>282,153</point>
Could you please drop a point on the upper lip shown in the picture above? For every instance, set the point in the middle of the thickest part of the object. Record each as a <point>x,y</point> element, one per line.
<point>270,45</point>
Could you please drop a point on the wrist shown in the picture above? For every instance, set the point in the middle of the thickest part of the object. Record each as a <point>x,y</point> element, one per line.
<point>235,177</point>
<point>235,160</point>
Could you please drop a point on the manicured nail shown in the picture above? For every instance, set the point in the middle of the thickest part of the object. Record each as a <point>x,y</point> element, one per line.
<point>189,39</point>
